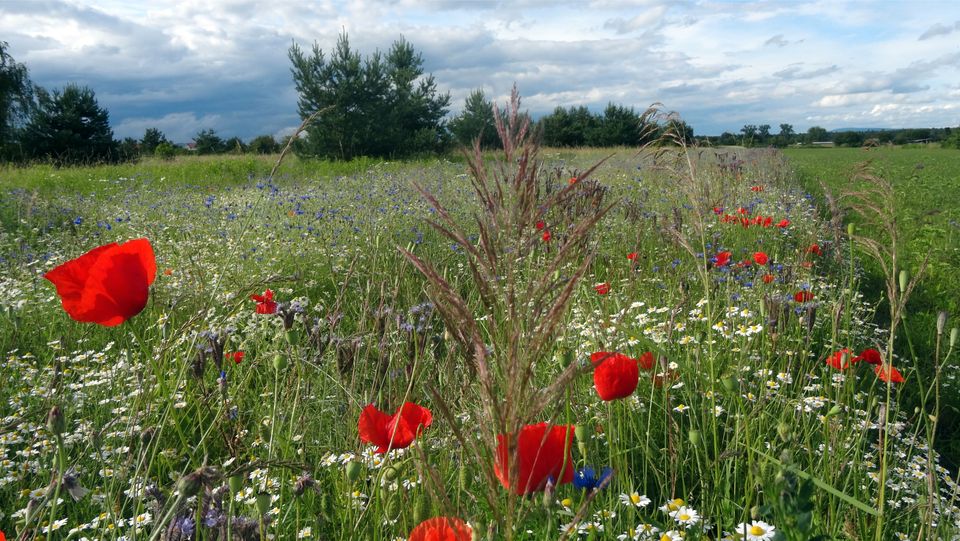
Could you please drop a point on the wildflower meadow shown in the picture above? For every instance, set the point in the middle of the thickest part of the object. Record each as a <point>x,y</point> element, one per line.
<point>665,343</point>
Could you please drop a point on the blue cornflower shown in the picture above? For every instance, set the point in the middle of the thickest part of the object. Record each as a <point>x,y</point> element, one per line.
<point>586,478</point>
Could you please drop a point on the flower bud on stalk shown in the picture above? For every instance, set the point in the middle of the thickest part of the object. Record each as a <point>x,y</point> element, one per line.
<point>353,471</point>
<point>953,336</point>
<point>904,280</point>
<point>941,321</point>
<point>279,362</point>
<point>851,229</point>
<point>56,422</point>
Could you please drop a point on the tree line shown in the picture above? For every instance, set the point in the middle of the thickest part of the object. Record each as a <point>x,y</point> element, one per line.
<point>378,105</point>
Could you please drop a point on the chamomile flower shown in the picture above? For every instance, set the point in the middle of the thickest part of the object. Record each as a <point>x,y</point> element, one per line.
<point>685,516</point>
<point>756,531</point>
<point>634,499</point>
<point>672,505</point>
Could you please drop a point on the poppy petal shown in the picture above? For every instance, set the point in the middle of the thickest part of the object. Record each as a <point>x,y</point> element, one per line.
<point>441,529</point>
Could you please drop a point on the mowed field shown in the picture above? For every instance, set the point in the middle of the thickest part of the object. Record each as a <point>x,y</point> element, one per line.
<point>675,346</point>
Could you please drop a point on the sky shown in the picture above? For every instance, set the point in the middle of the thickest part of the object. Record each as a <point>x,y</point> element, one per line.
<point>222,64</point>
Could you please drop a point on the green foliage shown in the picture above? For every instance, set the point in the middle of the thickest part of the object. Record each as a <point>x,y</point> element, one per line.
<point>16,102</point>
<point>616,126</point>
<point>953,141</point>
<point>208,142</point>
<point>263,144</point>
<point>373,106</point>
<point>152,138</point>
<point>165,150</point>
<point>475,121</point>
<point>69,127</point>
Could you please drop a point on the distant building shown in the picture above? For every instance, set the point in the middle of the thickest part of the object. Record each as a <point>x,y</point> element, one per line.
<point>825,144</point>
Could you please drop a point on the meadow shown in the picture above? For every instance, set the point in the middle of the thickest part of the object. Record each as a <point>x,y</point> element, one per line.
<point>671,345</point>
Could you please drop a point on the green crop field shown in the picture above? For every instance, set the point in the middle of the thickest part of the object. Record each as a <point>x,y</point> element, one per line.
<point>692,329</point>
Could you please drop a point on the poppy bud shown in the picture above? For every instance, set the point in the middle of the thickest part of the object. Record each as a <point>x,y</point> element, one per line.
<point>293,336</point>
<point>941,321</point>
<point>462,476</point>
<point>189,484</point>
<point>56,423</point>
<point>851,229</point>
<point>728,383</point>
<point>755,512</point>
<point>580,432</point>
<point>263,503</point>
<point>834,410</point>
<point>390,473</point>
<point>784,431</point>
<point>694,437</point>
<point>236,483</point>
<point>953,336</point>
<point>353,470</point>
<point>279,362</point>
<point>548,492</point>
<point>904,280</point>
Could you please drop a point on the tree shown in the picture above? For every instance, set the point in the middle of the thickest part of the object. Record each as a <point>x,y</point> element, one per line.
<point>16,102</point>
<point>373,106</point>
<point>234,145</point>
<point>619,125</point>
<point>816,134</point>
<point>785,137</point>
<point>749,132</point>
<point>69,127</point>
<point>475,121</point>
<point>763,133</point>
<point>208,142</point>
<point>263,144</point>
<point>152,138</point>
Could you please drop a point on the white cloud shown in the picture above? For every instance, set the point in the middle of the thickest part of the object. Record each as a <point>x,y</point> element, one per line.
<point>222,64</point>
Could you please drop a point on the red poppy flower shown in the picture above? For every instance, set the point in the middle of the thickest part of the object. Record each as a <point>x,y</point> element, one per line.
<point>839,359</point>
<point>107,285</point>
<point>442,529</point>
<point>869,356</point>
<point>632,256</point>
<point>888,372</point>
<point>265,303</point>
<point>723,259</point>
<point>602,289</point>
<point>767,278</point>
<point>168,272</point>
<point>236,356</point>
<point>614,375</point>
<point>760,258</point>
<point>542,453</point>
<point>541,225</point>
<point>573,180</point>
<point>393,432</point>
<point>546,236</point>
<point>646,361</point>
<point>757,188</point>
<point>783,223</point>
<point>814,249</point>
<point>718,210</point>
<point>803,296</point>
<point>768,221</point>
<point>742,210</point>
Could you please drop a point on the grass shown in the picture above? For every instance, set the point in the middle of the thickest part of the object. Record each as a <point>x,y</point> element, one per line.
<point>926,183</point>
<point>740,417</point>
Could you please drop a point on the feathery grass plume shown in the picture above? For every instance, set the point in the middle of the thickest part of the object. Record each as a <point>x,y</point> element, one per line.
<point>524,287</point>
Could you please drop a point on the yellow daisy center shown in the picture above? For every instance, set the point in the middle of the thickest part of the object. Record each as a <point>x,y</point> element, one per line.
<point>684,516</point>
<point>757,530</point>
<point>635,498</point>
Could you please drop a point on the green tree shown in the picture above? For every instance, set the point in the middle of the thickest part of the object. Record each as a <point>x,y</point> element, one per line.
<point>152,138</point>
<point>234,145</point>
<point>476,120</point>
<point>373,106</point>
<point>263,144</point>
<point>16,103</point>
<point>619,125</point>
<point>816,134</point>
<point>763,133</point>
<point>749,132</point>
<point>785,137</point>
<point>69,127</point>
<point>208,142</point>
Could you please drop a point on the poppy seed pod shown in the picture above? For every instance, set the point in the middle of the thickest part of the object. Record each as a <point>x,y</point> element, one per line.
<point>353,471</point>
<point>279,362</point>
<point>851,229</point>
<point>953,336</point>
<point>941,321</point>
<point>263,503</point>
<point>694,437</point>
<point>236,483</point>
